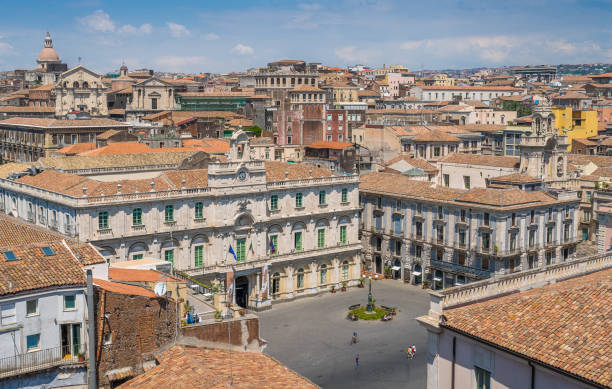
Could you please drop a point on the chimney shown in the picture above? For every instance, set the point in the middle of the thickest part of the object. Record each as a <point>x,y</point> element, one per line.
<point>152,185</point>
<point>84,189</point>
<point>119,188</point>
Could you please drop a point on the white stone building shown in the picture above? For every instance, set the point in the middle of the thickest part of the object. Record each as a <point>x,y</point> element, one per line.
<point>292,226</point>
<point>448,93</point>
<point>80,89</point>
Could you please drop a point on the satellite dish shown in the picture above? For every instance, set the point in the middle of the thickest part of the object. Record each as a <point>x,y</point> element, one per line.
<point>160,289</point>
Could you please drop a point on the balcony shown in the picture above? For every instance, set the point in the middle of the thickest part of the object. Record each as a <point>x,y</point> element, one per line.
<point>573,240</point>
<point>398,211</point>
<point>508,253</point>
<point>551,243</point>
<point>462,223</point>
<point>438,241</point>
<point>40,360</point>
<point>461,246</point>
<point>455,268</point>
<point>379,210</point>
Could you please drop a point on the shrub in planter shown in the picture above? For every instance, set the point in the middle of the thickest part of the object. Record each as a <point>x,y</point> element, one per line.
<point>218,316</point>
<point>361,283</point>
<point>344,284</point>
<point>387,271</point>
<point>333,289</point>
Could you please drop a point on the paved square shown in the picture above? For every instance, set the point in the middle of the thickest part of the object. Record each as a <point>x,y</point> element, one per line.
<point>313,337</point>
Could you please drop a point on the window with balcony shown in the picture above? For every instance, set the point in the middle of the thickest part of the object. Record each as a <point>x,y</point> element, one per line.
<point>344,195</point>
<point>440,255</point>
<point>378,244</point>
<point>463,216</point>
<point>532,261</point>
<point>273,245</point>
<point>532,217</point>
<point>274,202</point>
<point>566,232</point>
<point>298,200</point>
<point>169,256</point>
<point>241,249</point>
<point>102,220</point>
<point>461,238</point>
<point>418,251</point>
<point>199,211</point>
<point>419,229</point>
<point>512,242</point>
<point>485,263</point>
<point>461,259</point>
<point>300,278</point>
<point>531,238</point>
<point>398,247</point>
<point>169,214</point>
<point>440,234</point>
<point>549,235</point>
<point>486,219</point>
<point>486,241</point>
<point>322,197</point>
<point>137,217</point>
<point>321,238</point>
<point>297,241</point>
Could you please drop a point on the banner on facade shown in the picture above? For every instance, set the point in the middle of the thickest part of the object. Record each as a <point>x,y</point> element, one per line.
<point>265,280</point>
<point>229,286</point>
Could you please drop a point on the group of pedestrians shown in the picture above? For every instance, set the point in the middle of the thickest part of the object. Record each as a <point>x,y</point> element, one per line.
<point>411,352</point>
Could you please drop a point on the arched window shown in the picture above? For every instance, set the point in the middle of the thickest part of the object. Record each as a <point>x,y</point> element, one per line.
<point>85,84</point>
<point>345,271</point>
<point>300,278</point>
<point>75,84</point>
<point>323,274</point>
<point>275,283</point>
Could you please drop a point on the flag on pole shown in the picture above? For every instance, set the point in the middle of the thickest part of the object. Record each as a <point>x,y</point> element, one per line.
<point>251,248</point>
<point>231,251</point>
<point>272,248</point>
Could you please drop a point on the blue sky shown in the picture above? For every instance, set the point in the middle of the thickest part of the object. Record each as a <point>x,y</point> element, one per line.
<point>223,36</point>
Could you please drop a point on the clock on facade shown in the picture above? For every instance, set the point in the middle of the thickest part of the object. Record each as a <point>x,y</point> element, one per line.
<point>242,175</point>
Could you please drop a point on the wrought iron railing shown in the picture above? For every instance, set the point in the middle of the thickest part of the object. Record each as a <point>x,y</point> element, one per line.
<point>41,359</point>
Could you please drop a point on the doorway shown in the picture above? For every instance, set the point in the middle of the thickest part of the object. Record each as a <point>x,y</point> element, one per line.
<point>242,291</point>
<point>378,265</point>
<point>71,340</point>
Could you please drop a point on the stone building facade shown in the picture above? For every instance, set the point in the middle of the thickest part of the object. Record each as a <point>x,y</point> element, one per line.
<point>450,236</point>
<point>293,227</point>
<point>80,89</point>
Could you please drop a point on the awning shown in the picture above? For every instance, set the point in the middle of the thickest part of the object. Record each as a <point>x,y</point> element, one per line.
<point>459,283</point>
<point>437,278</point>
<point>416,273</point>
<point>396,268</point>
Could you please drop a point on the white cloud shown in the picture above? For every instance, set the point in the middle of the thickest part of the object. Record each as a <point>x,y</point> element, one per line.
<point>5,46</point>
<point>180,63</point>
<point>211,36</point>
<point>241,49</point>
<point>353,54</point>
<point>129,29</point>
<point>178,30</point>
<point>98,21</point>
<point>310,6</point>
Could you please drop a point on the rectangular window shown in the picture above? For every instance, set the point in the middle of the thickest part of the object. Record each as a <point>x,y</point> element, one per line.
<point>169,256</point>
<point>8,314</point>
<point>436,151</point>
<point>69,302</point>
<point>137,217</point>
<point>199,211</point>
<point>340,117</point>
<point>198,256</point>
<point>462,238</point>
<point>274,202</point>
<point>345,195</point>
<point>549,257</point>
<point>297,241</point>
<point>485,263</point>
<point>531,238</point>
<point>532,217</point>
<point>33,342</point>
<point>273,244</point>
<point>321,238</point>
<point>329,116</point>
<point>466,182</point>
<point>446,180</point>
<point>169,214</point>
<point>241,249</point>
<point>483,378</point>
<point>322,197</point>
<point>343,234</point>
<point>486,219</point>
<point>103,220</point>
<point>298,200</point>
<point>532,261</point>
<point>463,215</point>
<point>153,103</point>
<point>31,307</point>
<point>137,256</point>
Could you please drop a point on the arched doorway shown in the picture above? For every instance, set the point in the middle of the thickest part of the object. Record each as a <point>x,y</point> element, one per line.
<point>378,264</point>
<point>242,291</point>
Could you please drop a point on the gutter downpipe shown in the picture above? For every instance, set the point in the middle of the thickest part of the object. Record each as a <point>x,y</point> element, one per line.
<point>453,365</point>
<point>91,368</point>
<point>532,374</point>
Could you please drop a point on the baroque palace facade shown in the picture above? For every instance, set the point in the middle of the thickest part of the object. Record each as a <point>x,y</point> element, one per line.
<point>293,227</point>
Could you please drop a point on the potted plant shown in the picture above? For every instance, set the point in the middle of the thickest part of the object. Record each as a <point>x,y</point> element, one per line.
<point>333,288</point>
<point>81,356</point>
<point>495,248</point>
<point>361,283</point>
<point>242,312</point>
<point>393,310</point>
<point>344,284</point>
<point>218,316</point>
<point>426,284</point>
<point>387,271</point>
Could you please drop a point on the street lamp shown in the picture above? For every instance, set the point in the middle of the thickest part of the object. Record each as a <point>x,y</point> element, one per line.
<point>370,307</point>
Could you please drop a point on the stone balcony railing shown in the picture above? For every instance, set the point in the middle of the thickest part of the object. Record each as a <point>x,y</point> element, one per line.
<point>279,258</point>
<point>480,290</point>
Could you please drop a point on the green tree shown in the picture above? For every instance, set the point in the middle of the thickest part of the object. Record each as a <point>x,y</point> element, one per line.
<point>255,130</point>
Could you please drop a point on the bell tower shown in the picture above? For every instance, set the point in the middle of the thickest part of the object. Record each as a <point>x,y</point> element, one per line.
<point>544,151</point>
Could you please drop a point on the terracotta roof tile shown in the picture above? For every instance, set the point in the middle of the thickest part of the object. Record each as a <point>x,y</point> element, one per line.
<point>13,167</point>
<point>482,160</point>
<point>14,109</point>
<point>60,123</point>
<point>183,367</point>
<point>516,178</point>
<point>120,288</point>
<point>276,171</point>
<point>478,88</point>
<point>76,148</point>
<point>605,172</point>
<point>418,163</point>
<point>137,275</point>
<point>118,160</point>
<point>330,145</point>
<point>581,159</point>
<point>306,88</point>
<point>436,136</point>
<point>565,325</point>
<point>391,184</point>
<point>504,197</point>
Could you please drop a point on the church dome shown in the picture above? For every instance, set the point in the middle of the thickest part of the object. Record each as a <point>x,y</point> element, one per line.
<point>48,53</point>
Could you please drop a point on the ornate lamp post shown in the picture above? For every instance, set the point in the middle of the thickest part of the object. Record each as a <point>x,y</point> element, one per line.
<point>370,307</point>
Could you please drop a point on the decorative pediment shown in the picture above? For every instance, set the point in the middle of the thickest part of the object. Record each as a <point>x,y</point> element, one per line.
<point>153,81</point>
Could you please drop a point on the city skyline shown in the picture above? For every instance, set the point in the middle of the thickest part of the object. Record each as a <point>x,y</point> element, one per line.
<point>213,37</point>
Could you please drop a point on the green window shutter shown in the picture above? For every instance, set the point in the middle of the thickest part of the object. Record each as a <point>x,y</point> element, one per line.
<point>198,256</point>
<point>345,195</point>
<point>199,211</point>
<point>322,197</point>
<point>137,217</point>
<point>298,200</point>
<point>274,202</point>
<point>321,238</point>
<point>169,256</point>
<point>274,242</point>
<point>241,250</point>
<point>103,220</point>
<point>343,234</point>
<point>169,215</point>
<point>298,241</point>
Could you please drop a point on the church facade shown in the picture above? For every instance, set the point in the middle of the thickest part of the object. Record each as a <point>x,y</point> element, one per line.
<point>50,67</point>
<point>80,89</point>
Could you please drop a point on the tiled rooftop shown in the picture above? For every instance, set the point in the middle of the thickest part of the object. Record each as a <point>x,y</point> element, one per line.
<point>117,287</point>
<point>330,145</point>
<point>565,325</point>
<point>482,160</point>
<point>60,123</point>
<point>189,367</point>
<point>137,275</point>
<point>116,160</point>
<point>516,178</point>
<point>419,163</point>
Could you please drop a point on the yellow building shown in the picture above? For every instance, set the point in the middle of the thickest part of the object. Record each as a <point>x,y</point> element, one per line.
<point>439,80</point>
<point>576,124</point>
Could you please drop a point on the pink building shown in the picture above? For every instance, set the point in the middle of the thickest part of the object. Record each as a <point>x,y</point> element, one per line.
<point>394,81</point>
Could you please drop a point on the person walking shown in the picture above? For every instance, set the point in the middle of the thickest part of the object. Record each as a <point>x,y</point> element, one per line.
<point>355,338</point>
<point>357,362</point>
